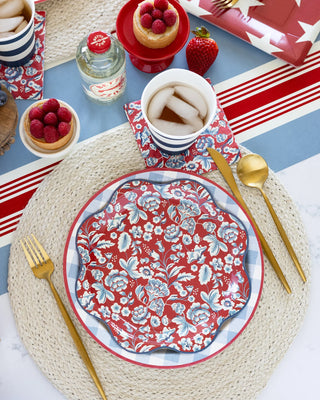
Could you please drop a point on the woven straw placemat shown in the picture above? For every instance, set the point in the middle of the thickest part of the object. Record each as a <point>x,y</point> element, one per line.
<point>238,372</point>
<point>68,21</point>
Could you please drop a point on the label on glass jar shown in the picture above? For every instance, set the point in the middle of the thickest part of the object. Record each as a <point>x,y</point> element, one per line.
<point>110,89</point>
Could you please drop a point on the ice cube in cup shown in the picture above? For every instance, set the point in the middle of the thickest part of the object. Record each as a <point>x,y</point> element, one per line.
<point>11,8</point>
<point>17,39</point>
<point>178,105</point>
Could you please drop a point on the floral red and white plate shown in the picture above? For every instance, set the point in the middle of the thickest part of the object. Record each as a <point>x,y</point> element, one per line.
<point>154,268</point>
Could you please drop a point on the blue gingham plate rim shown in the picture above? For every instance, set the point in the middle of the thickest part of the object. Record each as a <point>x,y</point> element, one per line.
<point>230,330</point>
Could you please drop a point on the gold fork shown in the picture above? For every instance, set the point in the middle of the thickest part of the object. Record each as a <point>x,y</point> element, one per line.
<point>224,4</point>
<point>42,267</point>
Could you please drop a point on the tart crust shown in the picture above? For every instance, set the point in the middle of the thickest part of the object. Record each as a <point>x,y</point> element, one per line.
<point>153,40</point>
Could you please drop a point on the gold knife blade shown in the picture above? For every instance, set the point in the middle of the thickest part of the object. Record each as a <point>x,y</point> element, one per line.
<point>226,172</point>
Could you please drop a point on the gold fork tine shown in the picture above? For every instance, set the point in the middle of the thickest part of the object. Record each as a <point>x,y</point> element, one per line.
<point>27,254</point>
<point>44,254</point>
<point>36,256</point>
<point>224,4</point>
<point>42,267</point>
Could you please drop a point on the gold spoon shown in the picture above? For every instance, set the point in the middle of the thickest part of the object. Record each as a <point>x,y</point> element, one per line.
<point>253,171</point>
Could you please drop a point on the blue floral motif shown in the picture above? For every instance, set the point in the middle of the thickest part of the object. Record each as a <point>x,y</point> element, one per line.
<point>116,280</point>
<point>176,161</point>
<point>138,117</point>
<point>162,265</point>
<point>186,344</point>
<point>172,233</point>
<point>228,232</point>
<point>13,74</point>
<point>215,245</point>
<point>155,321</point>
<point>149,201</point>
<point>97,274</point>
<point>166,335</point>
<point>198,314</point>
<point>179,308</point>
<point>189,225</point>
<point>144,136</point>
<point>221,137</point>
<point>204,142</point>
<point>146,272</point>
<point>157,305</point>
<point>140,315</point>
<point>152,161</point>
<point>209,226</point>
<point>213,299</point>
<point>157,288</point>
<point>188,208</point>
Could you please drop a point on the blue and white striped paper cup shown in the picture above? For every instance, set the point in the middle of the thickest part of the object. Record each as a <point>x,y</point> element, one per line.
<point>177,143</point>
<point>18,49</point>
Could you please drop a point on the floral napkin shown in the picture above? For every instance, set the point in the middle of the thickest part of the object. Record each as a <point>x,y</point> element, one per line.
<point>196,158</point>
<point>26,81</point>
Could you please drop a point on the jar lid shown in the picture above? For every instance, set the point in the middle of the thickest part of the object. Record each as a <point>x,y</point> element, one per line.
<point>98,42</point>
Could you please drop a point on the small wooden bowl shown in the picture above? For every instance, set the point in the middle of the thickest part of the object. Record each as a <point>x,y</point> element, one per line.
<point>8,122</point>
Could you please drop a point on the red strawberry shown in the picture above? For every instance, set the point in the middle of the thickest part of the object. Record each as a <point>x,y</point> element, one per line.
<point>201,51</point>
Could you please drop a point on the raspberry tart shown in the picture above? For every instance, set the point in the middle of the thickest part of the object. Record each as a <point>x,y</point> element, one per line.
<point>49,124</point>
<point>155,23</point>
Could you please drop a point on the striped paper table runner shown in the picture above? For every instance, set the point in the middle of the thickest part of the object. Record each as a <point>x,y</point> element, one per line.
<point>254,102</point>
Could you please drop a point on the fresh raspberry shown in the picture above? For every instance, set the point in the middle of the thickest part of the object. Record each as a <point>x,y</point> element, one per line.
<point>158,26</point>
<point>50,118</point>
<point>50,105</point>
<point>157,14</point>
<point>36,128</point>
<point>51,134</point>
<point>146,8</point>
<point>146,21</point>
<point>64,114</point>
<point>161,4</point>
<point>64,128</point>
<point>169,17</point>
<point>36,113</point>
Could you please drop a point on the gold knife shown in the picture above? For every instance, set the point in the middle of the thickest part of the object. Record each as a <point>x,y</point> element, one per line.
<point>226,172</point>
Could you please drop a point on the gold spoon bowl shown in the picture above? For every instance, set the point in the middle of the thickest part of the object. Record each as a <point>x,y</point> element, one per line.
<point>253,171</point>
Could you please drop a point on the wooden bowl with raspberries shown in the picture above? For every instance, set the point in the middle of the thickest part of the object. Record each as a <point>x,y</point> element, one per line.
<point>49,126</point>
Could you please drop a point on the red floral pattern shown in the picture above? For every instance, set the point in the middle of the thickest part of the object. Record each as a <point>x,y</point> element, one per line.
<point>162,266</point>
<point>26,81</point>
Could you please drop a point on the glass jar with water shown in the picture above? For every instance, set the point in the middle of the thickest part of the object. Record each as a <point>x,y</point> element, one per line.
<point>101,62</point>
